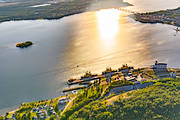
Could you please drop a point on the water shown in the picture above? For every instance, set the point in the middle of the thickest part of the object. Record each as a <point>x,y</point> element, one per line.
<point>153,5</point>
<point>92,41</point>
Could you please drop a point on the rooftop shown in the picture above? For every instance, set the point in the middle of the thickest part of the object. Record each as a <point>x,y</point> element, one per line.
<point>157,63</point>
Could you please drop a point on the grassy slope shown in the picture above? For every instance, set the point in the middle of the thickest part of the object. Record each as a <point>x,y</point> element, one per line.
<point>87,96</point>
<point>158,102</point>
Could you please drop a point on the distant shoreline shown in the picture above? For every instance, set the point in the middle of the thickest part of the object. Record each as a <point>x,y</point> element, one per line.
<point>24,11</point>
<point>54,18</point>
<point>169,16</point>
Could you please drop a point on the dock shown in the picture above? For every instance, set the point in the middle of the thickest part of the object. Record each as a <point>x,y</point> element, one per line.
<point>84,80</point>
<point>72,89</point>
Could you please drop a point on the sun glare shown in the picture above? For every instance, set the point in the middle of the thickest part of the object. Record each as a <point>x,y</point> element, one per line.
<point>108,24</point>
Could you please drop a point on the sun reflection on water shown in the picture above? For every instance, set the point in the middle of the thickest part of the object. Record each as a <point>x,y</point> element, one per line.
<point>108,23</point>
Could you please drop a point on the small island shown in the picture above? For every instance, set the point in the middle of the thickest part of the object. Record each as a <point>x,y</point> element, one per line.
<point>24,44</point>
<point>170,16</point>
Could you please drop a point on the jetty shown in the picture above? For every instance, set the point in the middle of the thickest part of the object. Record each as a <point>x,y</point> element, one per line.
<point>84,80</point>
<point>74,88</point>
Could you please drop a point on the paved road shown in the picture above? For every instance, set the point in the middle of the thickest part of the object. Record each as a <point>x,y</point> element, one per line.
<point>68,105</point>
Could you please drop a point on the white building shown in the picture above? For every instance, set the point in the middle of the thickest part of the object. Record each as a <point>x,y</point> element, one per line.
<point>173,74</point>
<point>159,66</point>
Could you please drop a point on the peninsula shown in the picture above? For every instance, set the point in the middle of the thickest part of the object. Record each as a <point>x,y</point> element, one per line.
<point>125,93</point>
<point>170,16</point>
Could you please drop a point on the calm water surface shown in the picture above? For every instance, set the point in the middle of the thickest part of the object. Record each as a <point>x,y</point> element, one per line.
<point>92,40</point>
